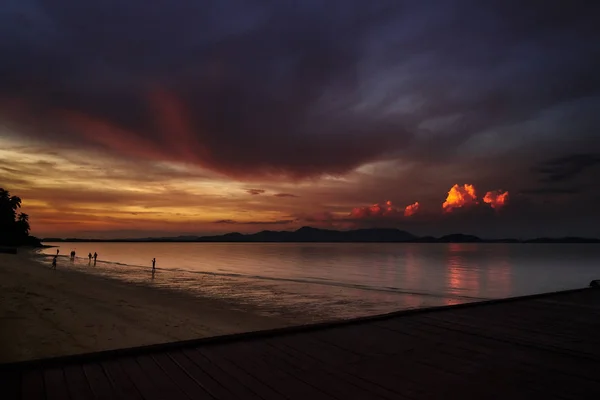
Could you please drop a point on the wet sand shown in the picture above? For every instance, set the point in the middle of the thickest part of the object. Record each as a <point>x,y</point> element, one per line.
<point>45,312</point>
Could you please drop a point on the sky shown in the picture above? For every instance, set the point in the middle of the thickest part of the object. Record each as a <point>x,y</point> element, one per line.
<point>136,118</point>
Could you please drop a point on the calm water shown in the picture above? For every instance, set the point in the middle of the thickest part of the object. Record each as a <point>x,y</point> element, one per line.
<point>324,281</point>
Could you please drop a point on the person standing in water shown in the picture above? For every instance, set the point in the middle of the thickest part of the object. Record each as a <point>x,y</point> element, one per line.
<point>54,262</point>
<point>153,265</point>
<point>95,257</point>
<point>90,258</point>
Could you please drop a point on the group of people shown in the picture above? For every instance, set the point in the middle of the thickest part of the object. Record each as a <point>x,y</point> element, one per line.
<point>72,257</point>
<point>95,256</point>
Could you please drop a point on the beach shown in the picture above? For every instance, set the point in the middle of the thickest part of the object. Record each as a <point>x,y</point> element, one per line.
<point>47,313</point>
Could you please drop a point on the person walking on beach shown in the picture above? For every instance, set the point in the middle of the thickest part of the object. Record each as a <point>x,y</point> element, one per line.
<point>54,262</point>
<point>90,258</point>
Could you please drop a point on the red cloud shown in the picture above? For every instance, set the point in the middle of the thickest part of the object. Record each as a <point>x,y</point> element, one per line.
<point>496,199</point>
<point>460,196</point>
<point>411,209</point>
<point>376,210</point>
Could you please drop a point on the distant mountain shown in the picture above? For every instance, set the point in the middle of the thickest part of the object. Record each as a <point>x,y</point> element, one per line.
<point>309,234</point>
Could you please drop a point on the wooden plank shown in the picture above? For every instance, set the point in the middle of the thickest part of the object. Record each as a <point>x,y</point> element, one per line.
<point>365,340</point>
<point>55,384</point>
<point>519,324</point>
<point>32,385</point>
<point>77,384</point>
<point>10,385</point>
<point>99,382</point>
<point>226,378</point>
<point>165,386</point>
<point>144,384</point>
<point>211,385</point>
<point>515,336</point>
<point>336,355</point>
<point>503,357</point>
<point>121,383</point>
<point>256,357</point>
<point>535,357</point>
<point>334,384</point>
<point>188,385</point>
<point>221,356</point>
<point>529,313</point>
<point>330,375</point>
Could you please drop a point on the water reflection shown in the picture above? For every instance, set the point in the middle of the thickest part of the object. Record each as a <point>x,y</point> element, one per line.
<point>483,271</point>
<point>343,280</point>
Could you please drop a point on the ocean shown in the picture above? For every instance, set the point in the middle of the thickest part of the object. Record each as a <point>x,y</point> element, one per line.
<point>324,281</point>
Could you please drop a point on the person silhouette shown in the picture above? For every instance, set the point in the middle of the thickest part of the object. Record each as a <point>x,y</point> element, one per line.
<point>153,267</point>
<point>95,257</point>
<point>54,262</point>
<point>90,258</point>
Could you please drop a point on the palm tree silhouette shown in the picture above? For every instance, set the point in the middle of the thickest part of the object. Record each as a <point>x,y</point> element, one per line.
<point>14,226</point>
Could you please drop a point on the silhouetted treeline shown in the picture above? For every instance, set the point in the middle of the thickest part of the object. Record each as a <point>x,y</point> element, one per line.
<point>14,225</point>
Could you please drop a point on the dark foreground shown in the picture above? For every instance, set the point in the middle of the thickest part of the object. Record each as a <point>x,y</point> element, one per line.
<point>545,346</point>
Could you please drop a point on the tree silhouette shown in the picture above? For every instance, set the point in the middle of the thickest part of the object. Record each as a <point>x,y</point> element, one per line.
<point>14,226</point>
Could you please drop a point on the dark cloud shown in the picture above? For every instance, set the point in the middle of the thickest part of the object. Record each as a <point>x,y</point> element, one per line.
<point>255,192</point>
<point>298,89</point>
<point>285,195</point>
<point>551,190</point>
<point>234,222</point>
<point>567,168</point>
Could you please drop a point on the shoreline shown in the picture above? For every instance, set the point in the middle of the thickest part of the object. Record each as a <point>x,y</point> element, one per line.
<point>48,313</point>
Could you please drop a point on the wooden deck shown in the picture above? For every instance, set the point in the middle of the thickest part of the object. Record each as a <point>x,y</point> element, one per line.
<point>544,346</point>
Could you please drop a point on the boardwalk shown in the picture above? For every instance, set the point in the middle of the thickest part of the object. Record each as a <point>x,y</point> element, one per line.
<point>536,347</point>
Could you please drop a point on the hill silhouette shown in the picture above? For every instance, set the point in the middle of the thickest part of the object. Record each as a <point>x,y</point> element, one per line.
<point>309,234</point>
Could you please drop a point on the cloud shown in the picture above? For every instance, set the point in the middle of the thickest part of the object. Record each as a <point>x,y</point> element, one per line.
<point>460,196</point>
<point>543,191</point>
<point>567,168</point>
<point>285,195</point>
<point>376,211</point>
<point>411,209</point>
<point>497,199</point>
<point>234,222</point>
<point>255,89</point>
<point>255,192</point>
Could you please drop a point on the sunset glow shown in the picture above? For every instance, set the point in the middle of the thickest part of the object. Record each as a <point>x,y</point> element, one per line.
<point>244,123</point>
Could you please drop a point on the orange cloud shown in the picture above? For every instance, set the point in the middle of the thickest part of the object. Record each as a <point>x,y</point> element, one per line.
<point>411,209</point>
<point>496,199</point>
<point>376,210</point>
<point>460,196</point>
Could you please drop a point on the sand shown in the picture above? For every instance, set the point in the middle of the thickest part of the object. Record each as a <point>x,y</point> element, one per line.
<point>46,313</point>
